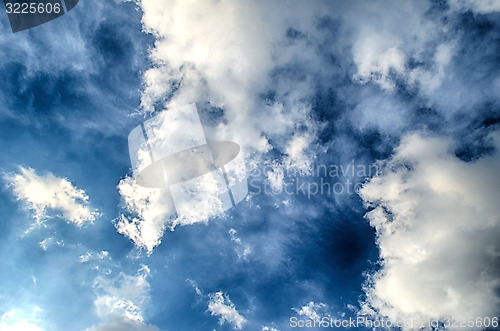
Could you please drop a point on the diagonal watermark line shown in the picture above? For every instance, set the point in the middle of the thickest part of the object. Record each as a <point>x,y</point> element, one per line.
<point>64,6</point>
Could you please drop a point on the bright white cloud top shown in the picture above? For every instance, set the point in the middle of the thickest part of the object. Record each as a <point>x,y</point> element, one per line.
<point>437,220</point>
<point>51,196</point>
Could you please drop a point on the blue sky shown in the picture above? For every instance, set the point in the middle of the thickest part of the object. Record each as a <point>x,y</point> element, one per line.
<point>370,135</point>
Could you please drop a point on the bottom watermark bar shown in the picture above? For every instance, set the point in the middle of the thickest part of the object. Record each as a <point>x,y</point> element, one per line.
<point>367,322</point>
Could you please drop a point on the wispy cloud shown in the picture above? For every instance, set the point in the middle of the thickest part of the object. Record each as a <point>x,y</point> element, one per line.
<point>312,310</point>
<point>220,305</point>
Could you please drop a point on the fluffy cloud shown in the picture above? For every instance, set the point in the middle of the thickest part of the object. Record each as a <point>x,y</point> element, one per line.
<point>376,60</point>
<point>149,211</point>
<point>120,302</point>
<point>231,64</point>
<point>14,320</point>
<point>437,224</point>
<point>385,66</point>
<point>384,49</point>
<point>221,305</point>
<point>50,196</point>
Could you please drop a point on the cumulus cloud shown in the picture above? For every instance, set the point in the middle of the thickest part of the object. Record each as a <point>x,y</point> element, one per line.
<point>383,47</point>
<point>437,223</point>
<point>266,76</point>
<point>121,300</point>
<point>221,305</point>
<point>266,68</point>
<point>231,64</point>
<point>50,196</point>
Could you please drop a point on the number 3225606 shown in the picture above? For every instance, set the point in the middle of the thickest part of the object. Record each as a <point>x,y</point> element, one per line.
<point>33,8</point>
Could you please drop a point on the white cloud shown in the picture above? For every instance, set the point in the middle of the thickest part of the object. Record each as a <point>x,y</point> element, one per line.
<point>94,256</point>
<point>437,223</point>
<point>431,80</point>
<point>237,63</point>
<point>296,152</point>
<point>120,301</point>
<point>401,42</point>
<point>382,47</point>
<point>124,296</point>
<point>242,250</point>
<point>48,242</point>
<point>313,311</point>
<point>194,285</point>
<point>231,64</point>
<point>151,211</point>
<point>376,62</point>
<point>50,196</point>
<point>221,305</point>
<point>16,320</point>
<point>152,214</point>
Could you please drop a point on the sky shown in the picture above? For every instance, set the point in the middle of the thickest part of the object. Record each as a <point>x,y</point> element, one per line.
<point>368,139</point>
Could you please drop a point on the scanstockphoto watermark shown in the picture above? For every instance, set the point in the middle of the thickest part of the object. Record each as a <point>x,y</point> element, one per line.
<point>320,179</point>
<point>485,322</point>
